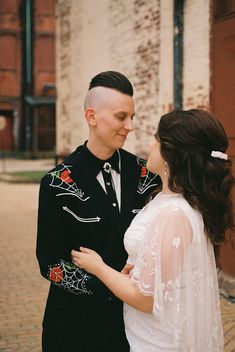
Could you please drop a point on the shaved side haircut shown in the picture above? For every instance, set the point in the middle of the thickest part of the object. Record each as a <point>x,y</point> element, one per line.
<point>114,80</point>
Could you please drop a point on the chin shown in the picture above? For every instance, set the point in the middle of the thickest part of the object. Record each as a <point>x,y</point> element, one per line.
<point>151,169</point>
<point>119,145</point>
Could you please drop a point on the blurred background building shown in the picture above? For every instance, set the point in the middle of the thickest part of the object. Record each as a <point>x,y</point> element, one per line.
<point>27,76</point>
<point>179,54</point>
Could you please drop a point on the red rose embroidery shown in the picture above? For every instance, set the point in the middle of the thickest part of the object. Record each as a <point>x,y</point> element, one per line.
<point>143,171</point>
<point>56,274</point>
<point>65,176</point>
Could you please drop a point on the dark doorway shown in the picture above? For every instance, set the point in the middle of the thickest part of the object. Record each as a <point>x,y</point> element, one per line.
<point>6,135</point>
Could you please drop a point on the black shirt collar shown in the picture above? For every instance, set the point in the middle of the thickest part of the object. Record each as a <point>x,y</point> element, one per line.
<point>97,164</point>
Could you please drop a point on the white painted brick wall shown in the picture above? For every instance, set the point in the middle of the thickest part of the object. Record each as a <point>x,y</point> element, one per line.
<point>196,72</point>
<point>107,35</point>
<point>166,58</point>
<point>134,37</point>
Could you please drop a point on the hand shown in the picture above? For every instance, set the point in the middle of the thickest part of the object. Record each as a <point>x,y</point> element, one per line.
<point>87,259</point>
<point>127,268</point>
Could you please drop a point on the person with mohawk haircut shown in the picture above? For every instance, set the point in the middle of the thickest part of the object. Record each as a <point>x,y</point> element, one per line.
<point>90,200</point>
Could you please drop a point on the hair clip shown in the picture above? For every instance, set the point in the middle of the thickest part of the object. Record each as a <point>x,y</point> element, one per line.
<point>220,155</point>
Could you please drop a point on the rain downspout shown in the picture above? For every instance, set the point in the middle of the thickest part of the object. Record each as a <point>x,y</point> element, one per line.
<point>28,40</point>
<point>29,84</point>
<point>178,53</point>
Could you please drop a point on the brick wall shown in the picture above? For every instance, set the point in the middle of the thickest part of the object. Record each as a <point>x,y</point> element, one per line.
<point>44,45</point>
<point>196,69</point>
<point>134,37</point>
<point>107,35</point>
<point>10,56</point>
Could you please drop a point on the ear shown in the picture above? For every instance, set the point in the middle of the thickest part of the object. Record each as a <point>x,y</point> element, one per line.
<point>90,116</point>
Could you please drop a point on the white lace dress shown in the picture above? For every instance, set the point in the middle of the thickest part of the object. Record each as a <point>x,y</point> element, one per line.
<point>174,263</point>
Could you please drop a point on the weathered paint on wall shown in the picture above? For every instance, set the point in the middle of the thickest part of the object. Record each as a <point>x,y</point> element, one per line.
<point>134,37</point>
<point>196,70</point>
<point>146,70</point>
<point>165,95</point>
<point>112,35</point>
<point>63,66</point>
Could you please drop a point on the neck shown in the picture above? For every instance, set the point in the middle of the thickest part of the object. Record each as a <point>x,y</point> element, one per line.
<point>165,188</point>
<point>99,151</point>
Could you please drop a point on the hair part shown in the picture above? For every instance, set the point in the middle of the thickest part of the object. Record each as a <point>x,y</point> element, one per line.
<point>187,139</point>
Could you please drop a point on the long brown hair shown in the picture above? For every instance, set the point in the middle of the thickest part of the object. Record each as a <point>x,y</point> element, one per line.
<point>187,139</point>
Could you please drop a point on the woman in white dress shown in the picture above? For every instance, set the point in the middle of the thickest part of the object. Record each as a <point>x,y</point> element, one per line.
<point>171,293</point>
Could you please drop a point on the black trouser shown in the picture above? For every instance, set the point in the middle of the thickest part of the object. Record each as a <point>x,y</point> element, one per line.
<point>96,327</point>
<point>56,342</point>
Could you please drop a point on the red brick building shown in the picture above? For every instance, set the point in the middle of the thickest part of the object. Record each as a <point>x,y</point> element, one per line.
<point>27,75</point>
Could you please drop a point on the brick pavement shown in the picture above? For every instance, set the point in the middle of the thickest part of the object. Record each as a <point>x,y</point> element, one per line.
<point>228,318</point>
<point>22,291</point>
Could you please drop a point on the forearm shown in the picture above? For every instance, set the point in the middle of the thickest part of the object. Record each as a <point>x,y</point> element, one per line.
<point>69,277</point>
<point>54,251</point>
<point>72,279</point>
<point>124,288</point>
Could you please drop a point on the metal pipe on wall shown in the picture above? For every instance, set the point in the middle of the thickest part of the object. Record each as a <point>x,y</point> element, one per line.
<point>178,53</point>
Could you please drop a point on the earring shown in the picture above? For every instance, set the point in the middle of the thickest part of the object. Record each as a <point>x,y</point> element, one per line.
<point>166,168</point>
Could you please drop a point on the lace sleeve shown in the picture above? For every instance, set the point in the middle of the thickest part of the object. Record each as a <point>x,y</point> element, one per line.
<point>159,267</point>
<point>175,265</point>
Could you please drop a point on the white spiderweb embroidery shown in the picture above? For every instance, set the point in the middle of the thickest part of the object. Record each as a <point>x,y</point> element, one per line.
<point>62,180</point>
<point>145,180</point>
<point>70,277</point>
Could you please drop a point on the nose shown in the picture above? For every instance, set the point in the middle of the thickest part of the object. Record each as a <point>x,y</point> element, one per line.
<point>129,125</point>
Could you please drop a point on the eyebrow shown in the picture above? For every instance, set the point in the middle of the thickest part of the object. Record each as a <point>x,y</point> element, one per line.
<point>124,113</point>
